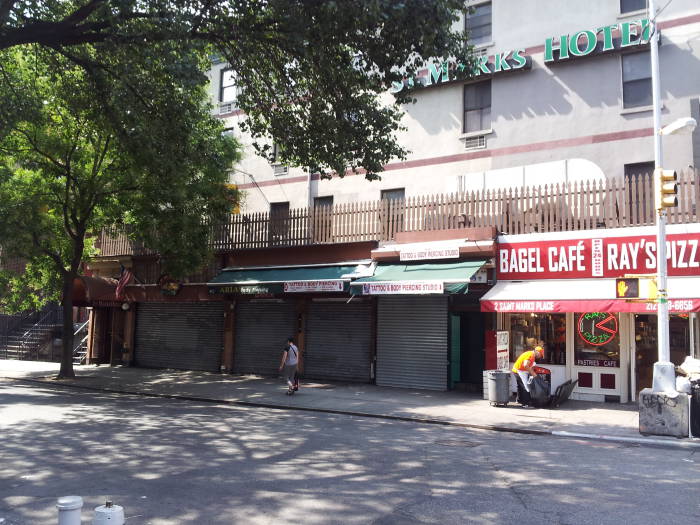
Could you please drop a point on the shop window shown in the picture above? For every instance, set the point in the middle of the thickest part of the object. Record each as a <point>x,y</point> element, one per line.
<point>636,80</point>
<point>548,330</point>
<point>477,107</point>
<point>629,6</point>
<point>597,339</point>
<point>477,24</point>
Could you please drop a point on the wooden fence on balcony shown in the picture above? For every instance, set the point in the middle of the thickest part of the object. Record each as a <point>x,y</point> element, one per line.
<point>557,207</point>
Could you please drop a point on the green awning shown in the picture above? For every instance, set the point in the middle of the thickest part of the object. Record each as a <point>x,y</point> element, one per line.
<point>419,279</point>
<point>273,280</point>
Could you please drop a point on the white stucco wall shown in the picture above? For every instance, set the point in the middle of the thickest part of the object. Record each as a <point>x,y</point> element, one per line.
<point>552,113</point>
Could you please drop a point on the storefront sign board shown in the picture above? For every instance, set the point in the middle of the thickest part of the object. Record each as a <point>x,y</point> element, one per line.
<point>587,305</point>
<point>423,254</point>
<point>608,257</point>
<point>313,286</point>
<point>403,287</point>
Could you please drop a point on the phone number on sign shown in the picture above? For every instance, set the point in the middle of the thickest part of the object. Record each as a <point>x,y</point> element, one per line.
<point>676,306</point>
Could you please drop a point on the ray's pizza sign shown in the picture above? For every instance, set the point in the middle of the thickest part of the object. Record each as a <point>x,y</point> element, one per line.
<point>609,257</point>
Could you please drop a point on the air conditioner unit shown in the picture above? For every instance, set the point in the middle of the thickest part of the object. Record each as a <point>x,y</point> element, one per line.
<point>225,108</point>
<point>280,169</point>
<point>478,142</point>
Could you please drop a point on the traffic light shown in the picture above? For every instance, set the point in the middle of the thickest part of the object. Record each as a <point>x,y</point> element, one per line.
<point>665,188</point>
<point>627,288</point>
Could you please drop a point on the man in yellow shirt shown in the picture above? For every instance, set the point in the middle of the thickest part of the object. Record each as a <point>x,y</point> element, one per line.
<point>524,368</point>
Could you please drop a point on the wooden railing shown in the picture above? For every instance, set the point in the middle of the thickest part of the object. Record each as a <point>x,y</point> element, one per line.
<point>557,207</point>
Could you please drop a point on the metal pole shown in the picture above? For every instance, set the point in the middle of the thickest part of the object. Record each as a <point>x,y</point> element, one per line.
<point>661,264</point>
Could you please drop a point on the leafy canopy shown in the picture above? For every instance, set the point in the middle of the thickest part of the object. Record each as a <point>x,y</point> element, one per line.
<point>312,72</point>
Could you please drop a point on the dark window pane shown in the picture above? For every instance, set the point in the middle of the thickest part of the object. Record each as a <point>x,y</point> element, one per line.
<point>637,93</point>
<point>477,106</point>
<point>585,379</point>
<point>636,66</point>
<point>478,24</point>
<point>323,201</point>
<point>607,381</point>
<point>392,195</point>
<point>627,6</point>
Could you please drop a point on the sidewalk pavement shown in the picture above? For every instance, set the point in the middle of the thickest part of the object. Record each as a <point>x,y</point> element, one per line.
<point>579,419</point>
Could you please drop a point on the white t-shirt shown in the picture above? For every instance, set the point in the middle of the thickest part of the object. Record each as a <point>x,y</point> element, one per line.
<point>292,355</point>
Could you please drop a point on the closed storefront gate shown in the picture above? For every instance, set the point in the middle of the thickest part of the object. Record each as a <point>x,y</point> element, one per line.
<point>188,336</point>
<point>412,342</point>
<point>262,329</point>
<point>338,341</point>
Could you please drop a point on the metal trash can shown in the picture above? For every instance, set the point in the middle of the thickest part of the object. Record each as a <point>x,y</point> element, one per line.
<point>499,387</point>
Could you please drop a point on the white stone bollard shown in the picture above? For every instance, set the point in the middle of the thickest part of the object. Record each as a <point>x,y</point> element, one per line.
<point>108,514</point>
<point>69,508</point>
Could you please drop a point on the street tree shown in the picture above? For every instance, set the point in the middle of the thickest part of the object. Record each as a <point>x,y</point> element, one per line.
<point>66,172</point>
<point>103,118</point>
<point>311,73</point>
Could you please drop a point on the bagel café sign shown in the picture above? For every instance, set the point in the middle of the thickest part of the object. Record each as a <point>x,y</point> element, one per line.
<point>597,41</point>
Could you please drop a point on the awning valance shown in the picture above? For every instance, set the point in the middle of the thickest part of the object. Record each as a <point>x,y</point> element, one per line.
<point>90,291</point>
<point>308,279</point>
<point>418,279</point>
<point>583,295</point>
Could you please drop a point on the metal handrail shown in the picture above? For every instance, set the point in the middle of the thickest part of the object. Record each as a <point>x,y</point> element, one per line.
<point>24,346</point>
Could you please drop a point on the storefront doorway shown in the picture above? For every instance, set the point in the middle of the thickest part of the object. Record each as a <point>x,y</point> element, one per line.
<point>646,345</point>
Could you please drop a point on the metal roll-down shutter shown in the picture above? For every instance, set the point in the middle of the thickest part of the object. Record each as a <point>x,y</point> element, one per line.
<point>338,341</point>
<point>188,336</point>
<point>262,329</point>
<point>412,342</point>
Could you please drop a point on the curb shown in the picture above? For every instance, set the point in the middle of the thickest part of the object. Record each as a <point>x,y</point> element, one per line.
<point>694,443</point>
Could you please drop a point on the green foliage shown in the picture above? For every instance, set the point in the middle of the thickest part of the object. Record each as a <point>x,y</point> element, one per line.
<point>156,159</point>
<point>313,72</point>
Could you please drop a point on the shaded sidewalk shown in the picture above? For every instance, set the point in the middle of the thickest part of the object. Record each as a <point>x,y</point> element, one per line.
<point>586,420</point>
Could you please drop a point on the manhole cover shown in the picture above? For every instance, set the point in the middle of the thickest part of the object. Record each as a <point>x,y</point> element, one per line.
<point>457,443</point>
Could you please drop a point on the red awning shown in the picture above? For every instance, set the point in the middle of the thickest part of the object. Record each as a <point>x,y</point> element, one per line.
<point>91,291</point>
<point>583,295</point>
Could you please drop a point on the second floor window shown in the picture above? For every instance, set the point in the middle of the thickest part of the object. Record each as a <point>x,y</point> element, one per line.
<point>227,86</point>
<point>477,24</point>
<point>636,80</point>
<point>477,106</point>
<point>628,6</point>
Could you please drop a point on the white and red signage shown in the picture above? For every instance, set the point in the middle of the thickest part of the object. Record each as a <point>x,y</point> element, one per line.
<point>403,287</point>
<point>608,257</point>
<point>313,286</point>
<point>587,305</point>
<point>423,253</point>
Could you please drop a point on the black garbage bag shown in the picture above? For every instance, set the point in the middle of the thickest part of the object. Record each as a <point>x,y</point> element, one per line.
<point>539,391</point>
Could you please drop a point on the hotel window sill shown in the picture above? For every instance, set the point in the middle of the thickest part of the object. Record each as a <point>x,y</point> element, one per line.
<point>482,49</point>
<point>640,109</point>
<point>478,133</point>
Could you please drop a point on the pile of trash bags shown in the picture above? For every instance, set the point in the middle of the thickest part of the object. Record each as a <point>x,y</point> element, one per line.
<point>687,375</point>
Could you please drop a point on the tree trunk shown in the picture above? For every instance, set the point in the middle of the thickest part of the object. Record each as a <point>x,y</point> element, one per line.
<point>67,354</point>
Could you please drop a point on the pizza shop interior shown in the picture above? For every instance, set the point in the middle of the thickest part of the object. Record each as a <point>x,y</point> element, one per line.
<point>610,354</point>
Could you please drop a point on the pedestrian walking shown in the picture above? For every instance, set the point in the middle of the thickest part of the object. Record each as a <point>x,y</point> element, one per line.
<point>288,366</point>
<point>524,369</point>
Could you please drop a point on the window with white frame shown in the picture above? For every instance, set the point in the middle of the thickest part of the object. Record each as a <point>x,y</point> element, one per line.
<point>636,80</point>
<point>477,107</point>
<point>228,90</point>
<point>477,24</point>
<point>629,6</point>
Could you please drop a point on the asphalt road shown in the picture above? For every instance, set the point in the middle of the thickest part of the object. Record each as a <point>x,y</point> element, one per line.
<point>171,462</point>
